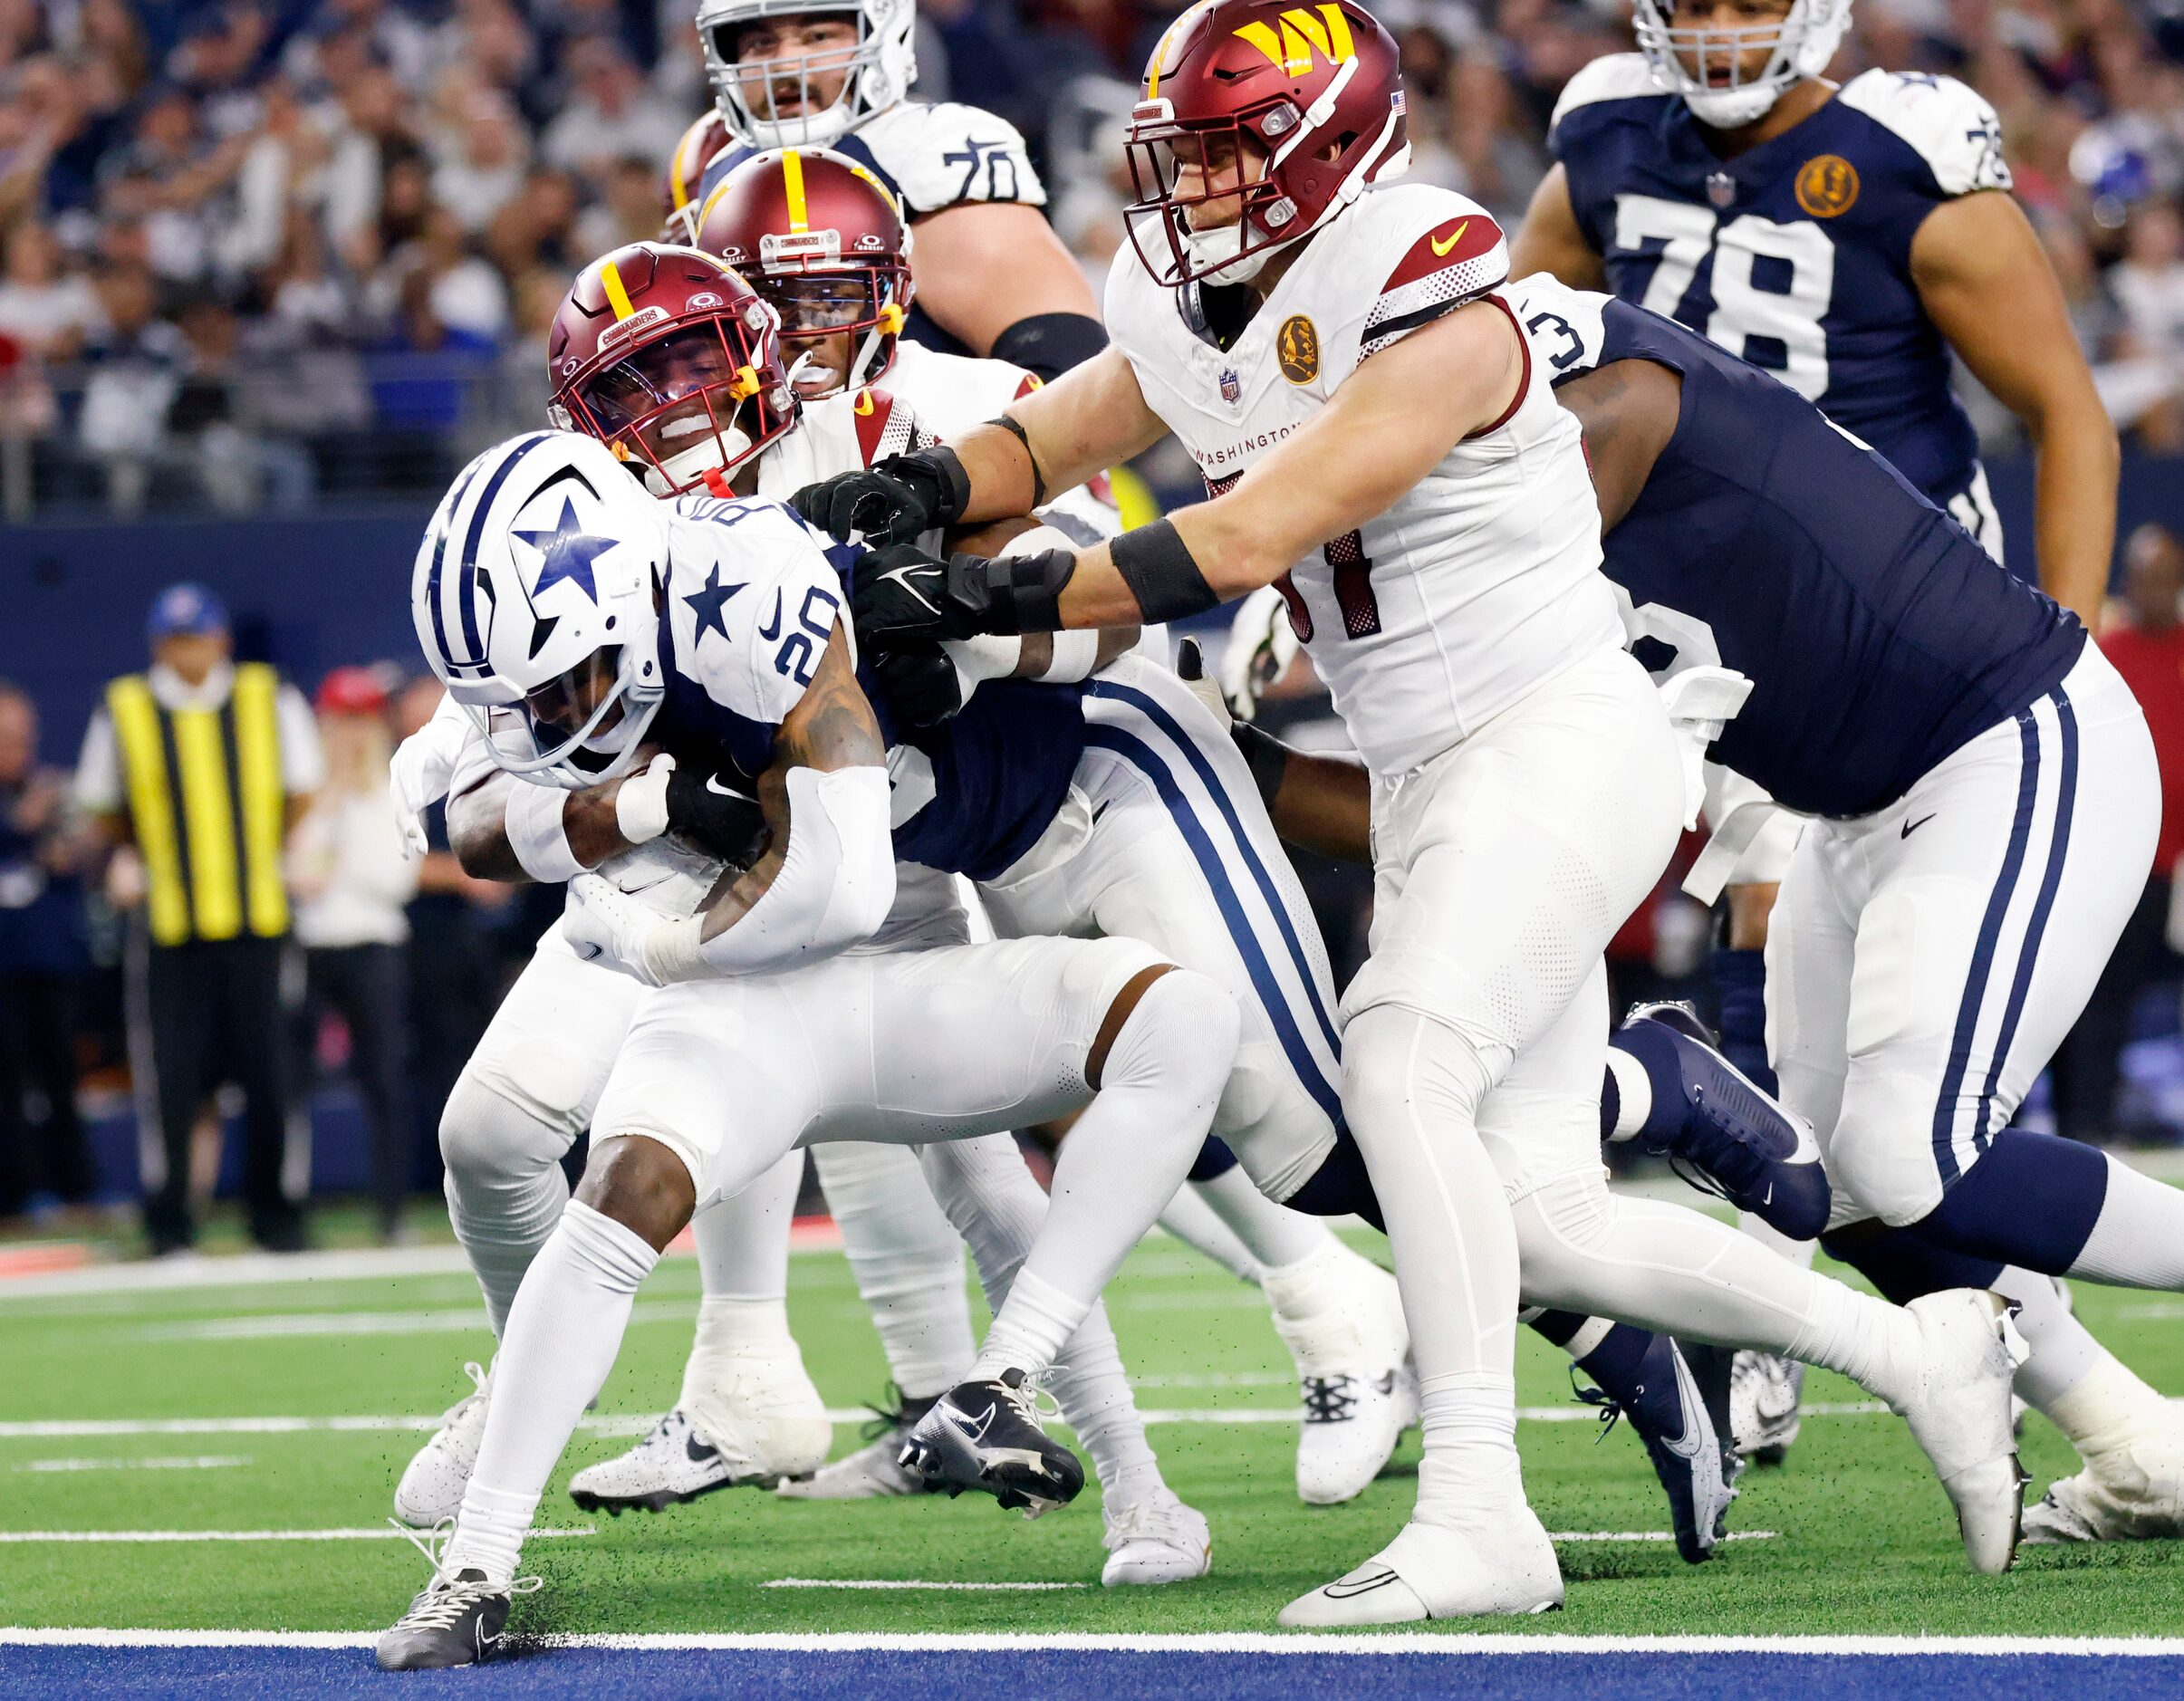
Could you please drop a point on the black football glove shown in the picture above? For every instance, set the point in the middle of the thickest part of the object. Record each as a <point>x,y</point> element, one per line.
<point>919,684</point>
<point>891,502</point>
<point>720,821</point>
<point>903,595</point>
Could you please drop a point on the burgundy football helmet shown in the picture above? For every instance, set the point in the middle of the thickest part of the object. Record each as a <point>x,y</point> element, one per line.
<point>672,361</point>
<point>686,171</point>
<point>1315,91</point>
<point>821,238</point>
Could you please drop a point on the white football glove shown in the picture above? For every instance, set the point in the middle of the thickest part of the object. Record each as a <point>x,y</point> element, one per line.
<point>1190,667</point>
<point>420,771</point>
<point>640,807</point>
<point>1261,645</point>
<point>607,926</point>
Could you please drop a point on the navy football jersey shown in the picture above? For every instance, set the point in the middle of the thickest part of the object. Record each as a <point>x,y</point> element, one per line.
<point>968,797</point>
<point>931,157</point>
<point>1795,254</point>
<point>1877,636</point>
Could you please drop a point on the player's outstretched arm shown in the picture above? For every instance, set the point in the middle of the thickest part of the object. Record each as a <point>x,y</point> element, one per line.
<point>825,879</point>
<point>506,829</point>
<point>1551,240</point>
<point>1387,426</point>
<point>1987,285</point>
<point>1322,804</point>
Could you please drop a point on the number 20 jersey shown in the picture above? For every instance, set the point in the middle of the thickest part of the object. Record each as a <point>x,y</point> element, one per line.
<point>1482,580</point>
<point>1795,254</point>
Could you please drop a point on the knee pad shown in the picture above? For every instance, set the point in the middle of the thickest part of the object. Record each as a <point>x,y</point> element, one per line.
<point>1184,1031</point>
<point>1390,1053</point>
<point>1879,1154</point>
<point>484,1132</point>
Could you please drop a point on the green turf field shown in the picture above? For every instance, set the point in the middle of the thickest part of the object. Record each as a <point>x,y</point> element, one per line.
<point>1863,1539</point>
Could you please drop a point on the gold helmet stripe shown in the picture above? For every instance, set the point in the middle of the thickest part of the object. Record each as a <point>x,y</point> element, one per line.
<point>792,180</point>
<point>618,297</point>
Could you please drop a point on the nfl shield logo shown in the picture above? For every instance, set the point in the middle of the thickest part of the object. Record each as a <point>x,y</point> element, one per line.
<point>1231,388</point>
<point>1721,190</point>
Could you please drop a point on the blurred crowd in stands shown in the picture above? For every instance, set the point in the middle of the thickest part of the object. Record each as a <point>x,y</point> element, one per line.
<point>254,252</point>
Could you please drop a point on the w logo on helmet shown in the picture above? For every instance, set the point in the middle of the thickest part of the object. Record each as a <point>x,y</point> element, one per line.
<point>1290,48</point>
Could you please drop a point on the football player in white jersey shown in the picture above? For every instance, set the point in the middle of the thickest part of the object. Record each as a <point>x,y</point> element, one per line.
<point>821,238</point>
<point>1332,350</point>
<point>747,1411</point>
<point>585,626</point>
<point>992,276</point>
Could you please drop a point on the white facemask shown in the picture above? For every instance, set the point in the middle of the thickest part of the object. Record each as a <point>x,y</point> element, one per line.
<point>1218,249</point>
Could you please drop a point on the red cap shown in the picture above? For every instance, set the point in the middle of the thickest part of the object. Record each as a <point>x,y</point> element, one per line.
<point>352,691</point>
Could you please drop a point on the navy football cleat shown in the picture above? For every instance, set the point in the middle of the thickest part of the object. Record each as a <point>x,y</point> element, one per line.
<point>1724,1134</point>
<point>985,1435</point>
<point>1699,1475</point>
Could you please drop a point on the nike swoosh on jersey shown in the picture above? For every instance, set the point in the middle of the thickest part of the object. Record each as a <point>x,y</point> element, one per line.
<point>1911,827</point>
<point>1455,236</point>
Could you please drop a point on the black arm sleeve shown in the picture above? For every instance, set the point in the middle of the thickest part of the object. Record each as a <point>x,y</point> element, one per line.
<point>1051,343</point>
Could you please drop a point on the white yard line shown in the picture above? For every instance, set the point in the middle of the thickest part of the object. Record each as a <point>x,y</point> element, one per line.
<point>882,1582</point>
<point>367,1532</point>
<point>279,1324</point>
<point>1654,1535</point>
<point>202,1462</point>
<point>1218,1642</point>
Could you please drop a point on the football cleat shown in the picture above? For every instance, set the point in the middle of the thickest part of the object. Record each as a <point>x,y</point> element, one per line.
<point>1155,1540</point>
<point>456,1619</point>
<point>673,1465</point>
<point>987,1434</point>
<point>1342,1318</point>
<point>1726,1136</point>
<point>1764,1392</point>
<point>875,1470</point>
<point>431,1489</point>
<point>2134,1492</point>
<point>1959,1411</point>
<point>1507,1568</point>
<point>1669,1414</point>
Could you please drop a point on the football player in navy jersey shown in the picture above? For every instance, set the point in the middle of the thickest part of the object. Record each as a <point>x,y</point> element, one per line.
<point>1846,239</point>
<point>1945,725</point>
<point>992,277</point>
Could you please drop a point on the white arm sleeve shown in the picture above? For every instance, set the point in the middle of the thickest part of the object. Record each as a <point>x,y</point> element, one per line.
<point>835,887</point>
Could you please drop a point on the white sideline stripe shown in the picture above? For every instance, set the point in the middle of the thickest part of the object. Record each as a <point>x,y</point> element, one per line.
<point>1218,1642</point>
<point>1654,1535</point>
<point>63,1428</point>
<point>202,1462</point>
<point>882,1582</point>
<point>380,1532</point>
<point>276,1325</point>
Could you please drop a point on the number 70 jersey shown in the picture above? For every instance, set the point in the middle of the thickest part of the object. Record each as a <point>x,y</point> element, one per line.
<point>1795,254</point>
<point>1479,583</point>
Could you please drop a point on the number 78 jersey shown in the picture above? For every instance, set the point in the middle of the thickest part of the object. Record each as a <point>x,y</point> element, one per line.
<point>1795,254</point>
<point>1483,578</point>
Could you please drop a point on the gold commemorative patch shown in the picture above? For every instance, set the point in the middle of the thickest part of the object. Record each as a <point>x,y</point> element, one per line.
<point>1827,184</point>
<point>1296,347</point>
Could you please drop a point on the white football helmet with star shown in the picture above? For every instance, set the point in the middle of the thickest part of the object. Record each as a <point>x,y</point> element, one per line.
<point>535,597</point>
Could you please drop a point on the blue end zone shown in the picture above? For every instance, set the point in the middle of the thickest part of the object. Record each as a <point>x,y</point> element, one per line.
<point>592,1674</point>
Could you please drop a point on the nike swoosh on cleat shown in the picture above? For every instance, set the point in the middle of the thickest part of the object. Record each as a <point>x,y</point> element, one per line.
<point>697,1452</point>
<point>1686,1446</point>
<point>1344,1589</point>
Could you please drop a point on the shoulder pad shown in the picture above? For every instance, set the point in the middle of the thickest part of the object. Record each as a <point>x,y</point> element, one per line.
<point>946,155</point>
<point>885,427</point>
<point>1615,77</point>
<point>1446,251</point>
<point>1563,324</point>
<point>1948,125</point>
<point>736,566</point>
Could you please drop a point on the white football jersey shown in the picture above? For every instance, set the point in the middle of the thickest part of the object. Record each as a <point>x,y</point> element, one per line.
<point>953,393</point>
<point>930,155</point>
<point>1477,585</point>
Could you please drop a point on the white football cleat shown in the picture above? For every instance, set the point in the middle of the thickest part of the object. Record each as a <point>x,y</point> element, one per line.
<point>1428,1571</point>
<point>1342,1318</point>
<point>673,1465</point>
<point>2133,1492</point>
<point>1764,1392</point>
<point>431,1489</point>
<point>1959,1413</point>
<point>875,1470</point>
<point>1155,1540</point>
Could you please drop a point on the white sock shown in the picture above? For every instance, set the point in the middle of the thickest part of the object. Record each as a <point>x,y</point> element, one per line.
<point>1633,1094</point>
<point>743,1242</point>
<point>2063,1352</point>
<point>984,1189</point>
<point>1669,1268</point>
<point>2138,1240</point>
<point>1274,1235</point>
<point>563,1331</point>
<point>505,1187</point>
<point>1123,1161</point>
<point>907,1257</point>
<point>1331,1309</point>
<point>1411,1089</point>
<point>1192,1221</point>
<point>728,1330</point>
<point>2109,1408</point>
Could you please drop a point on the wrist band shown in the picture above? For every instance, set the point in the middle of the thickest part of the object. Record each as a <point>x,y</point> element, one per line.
<point>1076,654</point>
<point>533,820</point>
<point>1155,564</point>
<point>670,951</point>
